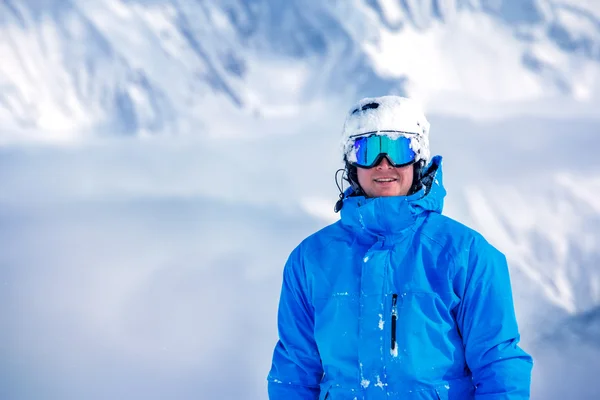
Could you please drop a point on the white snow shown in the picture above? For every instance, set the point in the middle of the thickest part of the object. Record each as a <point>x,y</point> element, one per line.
<point>139,258</point>
<point>394,117</point>
<point>469,63</point>
<point>319,208</point>
<point>534,236</point>
<point>172,226</point>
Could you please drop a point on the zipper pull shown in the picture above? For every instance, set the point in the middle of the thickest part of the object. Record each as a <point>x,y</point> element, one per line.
<point>394,348</point>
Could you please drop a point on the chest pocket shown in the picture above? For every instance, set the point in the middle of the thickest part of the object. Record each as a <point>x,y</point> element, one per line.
<point>424,342</point>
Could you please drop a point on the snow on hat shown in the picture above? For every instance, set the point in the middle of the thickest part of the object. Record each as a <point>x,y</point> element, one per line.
<point>392,116</point>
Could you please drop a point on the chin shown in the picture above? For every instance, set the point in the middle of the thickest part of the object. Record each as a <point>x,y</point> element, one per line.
<point>388,193</point>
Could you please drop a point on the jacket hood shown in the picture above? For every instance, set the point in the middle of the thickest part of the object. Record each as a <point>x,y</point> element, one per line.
<point>382,216</point>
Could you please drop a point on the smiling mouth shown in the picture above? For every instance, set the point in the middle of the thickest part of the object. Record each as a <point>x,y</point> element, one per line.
<point>384,180</point>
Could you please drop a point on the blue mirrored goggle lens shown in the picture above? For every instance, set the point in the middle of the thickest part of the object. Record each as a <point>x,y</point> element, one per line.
<point>369,149</point>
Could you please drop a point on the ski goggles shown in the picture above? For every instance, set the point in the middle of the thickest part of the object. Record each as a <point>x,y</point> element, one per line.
<point>370,150</point>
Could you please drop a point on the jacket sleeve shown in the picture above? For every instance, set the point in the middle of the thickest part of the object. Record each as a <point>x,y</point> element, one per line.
<point>296,370</point>
<point>486,319</point>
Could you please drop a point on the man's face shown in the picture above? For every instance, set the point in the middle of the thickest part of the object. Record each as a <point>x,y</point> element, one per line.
<point>386,180</point>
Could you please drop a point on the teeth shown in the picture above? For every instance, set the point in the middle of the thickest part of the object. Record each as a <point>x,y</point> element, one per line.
<point>385,180</point>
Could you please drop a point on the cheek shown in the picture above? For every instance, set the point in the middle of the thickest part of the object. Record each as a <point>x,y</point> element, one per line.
<point>407,176</point>
<point>363,176</point>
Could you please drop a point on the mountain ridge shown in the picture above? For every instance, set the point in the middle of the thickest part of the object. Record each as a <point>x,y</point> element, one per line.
<point>135,67</point>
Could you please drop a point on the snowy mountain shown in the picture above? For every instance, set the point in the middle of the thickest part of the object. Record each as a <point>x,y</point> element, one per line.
<point>551,239</point>
<point>583,328</point>
<point>193,144</point>
<point>569,359</point>
<point>146,268</point>
<point>135,66</point>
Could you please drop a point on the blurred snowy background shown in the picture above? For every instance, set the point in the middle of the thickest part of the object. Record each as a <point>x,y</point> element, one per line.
<point>159,159</point>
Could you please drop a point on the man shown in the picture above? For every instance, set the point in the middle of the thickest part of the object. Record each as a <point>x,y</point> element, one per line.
<point>396,301</point>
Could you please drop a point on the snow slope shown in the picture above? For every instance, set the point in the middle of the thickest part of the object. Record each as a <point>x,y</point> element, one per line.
<point>153,299</point>
<point>142,268</point>
<point>193,144</point>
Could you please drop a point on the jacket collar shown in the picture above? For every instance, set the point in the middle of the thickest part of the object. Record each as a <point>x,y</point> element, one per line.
<point>387,216</point>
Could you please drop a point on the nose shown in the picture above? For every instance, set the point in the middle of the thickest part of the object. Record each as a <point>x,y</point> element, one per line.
<point>384,164</point>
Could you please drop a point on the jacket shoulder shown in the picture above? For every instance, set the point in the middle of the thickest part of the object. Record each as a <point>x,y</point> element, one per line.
<point>453,235</point>
<point>324,236</point>
<point>314,249</point>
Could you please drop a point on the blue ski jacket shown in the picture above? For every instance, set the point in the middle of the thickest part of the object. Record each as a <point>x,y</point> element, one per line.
<point>396,301</point>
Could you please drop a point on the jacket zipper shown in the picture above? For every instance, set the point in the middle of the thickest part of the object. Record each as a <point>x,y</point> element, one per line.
<point>394,321</point>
